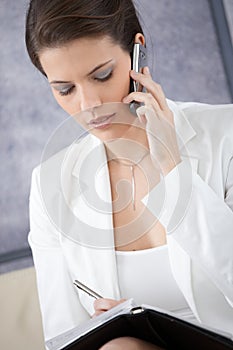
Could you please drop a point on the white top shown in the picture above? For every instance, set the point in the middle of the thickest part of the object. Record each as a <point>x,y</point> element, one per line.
<point>146,276</point>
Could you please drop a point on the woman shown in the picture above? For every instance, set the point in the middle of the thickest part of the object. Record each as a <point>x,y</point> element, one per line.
<point>171,229</point>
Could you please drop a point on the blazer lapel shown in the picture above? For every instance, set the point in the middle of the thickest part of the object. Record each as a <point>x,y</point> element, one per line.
<point>89,246</point>
<point>181,266</point>
<point>181,263</point>
<point>184,129</point>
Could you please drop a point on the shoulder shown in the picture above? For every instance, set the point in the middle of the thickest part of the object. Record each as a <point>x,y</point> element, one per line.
<point>46,195</point>
<point>205,111</point>
<point>51,165</point>
<point>216,119</point>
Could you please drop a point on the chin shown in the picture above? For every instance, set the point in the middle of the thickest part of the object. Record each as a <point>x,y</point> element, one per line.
<point>111,132</point>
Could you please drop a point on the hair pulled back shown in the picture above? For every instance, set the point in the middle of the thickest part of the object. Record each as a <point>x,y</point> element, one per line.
<point>53,23</point>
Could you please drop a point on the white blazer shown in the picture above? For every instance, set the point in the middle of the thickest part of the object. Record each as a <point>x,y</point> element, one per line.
<point>71,233</point>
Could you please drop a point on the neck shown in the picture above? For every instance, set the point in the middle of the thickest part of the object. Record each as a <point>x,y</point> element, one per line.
<point>131,146</point>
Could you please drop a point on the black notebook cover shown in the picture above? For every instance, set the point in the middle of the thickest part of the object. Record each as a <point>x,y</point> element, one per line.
<point>158,328</point>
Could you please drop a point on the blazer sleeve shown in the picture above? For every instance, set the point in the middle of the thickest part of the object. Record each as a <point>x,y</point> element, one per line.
<point>199,220</point>
<point>59,301</point>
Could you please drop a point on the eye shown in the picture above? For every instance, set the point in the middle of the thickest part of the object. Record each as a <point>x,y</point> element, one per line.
<point>103,76</point>
<point>65,92</point>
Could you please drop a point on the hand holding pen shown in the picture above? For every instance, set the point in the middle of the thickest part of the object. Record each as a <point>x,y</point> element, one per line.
<point>100,304</point>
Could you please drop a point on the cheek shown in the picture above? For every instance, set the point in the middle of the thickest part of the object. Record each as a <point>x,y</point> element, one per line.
<point>122,85</point>
<point>66,103</point>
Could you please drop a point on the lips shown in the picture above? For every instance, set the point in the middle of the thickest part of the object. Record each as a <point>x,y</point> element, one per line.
<point>101,121</point>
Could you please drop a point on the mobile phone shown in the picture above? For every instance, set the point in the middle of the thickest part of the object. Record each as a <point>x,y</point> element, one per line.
<point>139,60</point>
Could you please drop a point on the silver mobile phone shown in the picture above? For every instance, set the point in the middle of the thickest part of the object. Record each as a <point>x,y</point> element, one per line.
<point>139,60</point>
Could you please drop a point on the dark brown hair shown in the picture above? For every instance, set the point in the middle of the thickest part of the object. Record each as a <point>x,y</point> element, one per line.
<point>53,23</point>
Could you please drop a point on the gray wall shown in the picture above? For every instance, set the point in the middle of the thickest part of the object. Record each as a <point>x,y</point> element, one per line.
<point>187,62</point>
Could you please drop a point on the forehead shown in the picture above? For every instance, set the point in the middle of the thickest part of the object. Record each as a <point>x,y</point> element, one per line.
<point>80,55</point>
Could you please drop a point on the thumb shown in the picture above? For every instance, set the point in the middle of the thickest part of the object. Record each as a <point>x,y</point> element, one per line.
<point>141,113</point>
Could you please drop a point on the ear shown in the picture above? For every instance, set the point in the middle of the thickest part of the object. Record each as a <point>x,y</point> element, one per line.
<point>139,39</point>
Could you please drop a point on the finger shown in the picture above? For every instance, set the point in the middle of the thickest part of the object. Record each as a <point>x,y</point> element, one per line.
<point>146,70</point>
<point>104,304</point>
<point>141,114</point>
<point>142,97</point>
<point>97,313</point>
<point>150,119</point>
<point>151,103</point>
<point>154,88</point>
<point>146,114</point>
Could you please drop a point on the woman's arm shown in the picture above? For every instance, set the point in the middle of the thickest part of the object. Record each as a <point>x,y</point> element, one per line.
<point>59,301</point>
<point>200,242</point>
<point>199,223</point>
<point>204,226</point>
<point>189,209</point>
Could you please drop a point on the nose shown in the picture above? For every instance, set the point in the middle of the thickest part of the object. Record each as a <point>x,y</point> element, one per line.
<point>89,98</point>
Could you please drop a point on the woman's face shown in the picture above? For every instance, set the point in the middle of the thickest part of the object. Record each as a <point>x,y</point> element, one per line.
<point>86,73</point>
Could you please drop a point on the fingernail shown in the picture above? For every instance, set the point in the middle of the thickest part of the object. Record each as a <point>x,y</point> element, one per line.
<point>147,70</point>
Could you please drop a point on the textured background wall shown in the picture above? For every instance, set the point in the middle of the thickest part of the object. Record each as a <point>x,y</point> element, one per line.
<point>187,63</point>
<point>229,14</point>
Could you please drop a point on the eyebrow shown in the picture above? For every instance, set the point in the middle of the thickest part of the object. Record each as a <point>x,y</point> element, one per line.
<point>91,72</point>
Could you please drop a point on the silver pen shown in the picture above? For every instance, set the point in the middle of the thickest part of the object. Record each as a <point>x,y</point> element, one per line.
<point>87,290</point>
